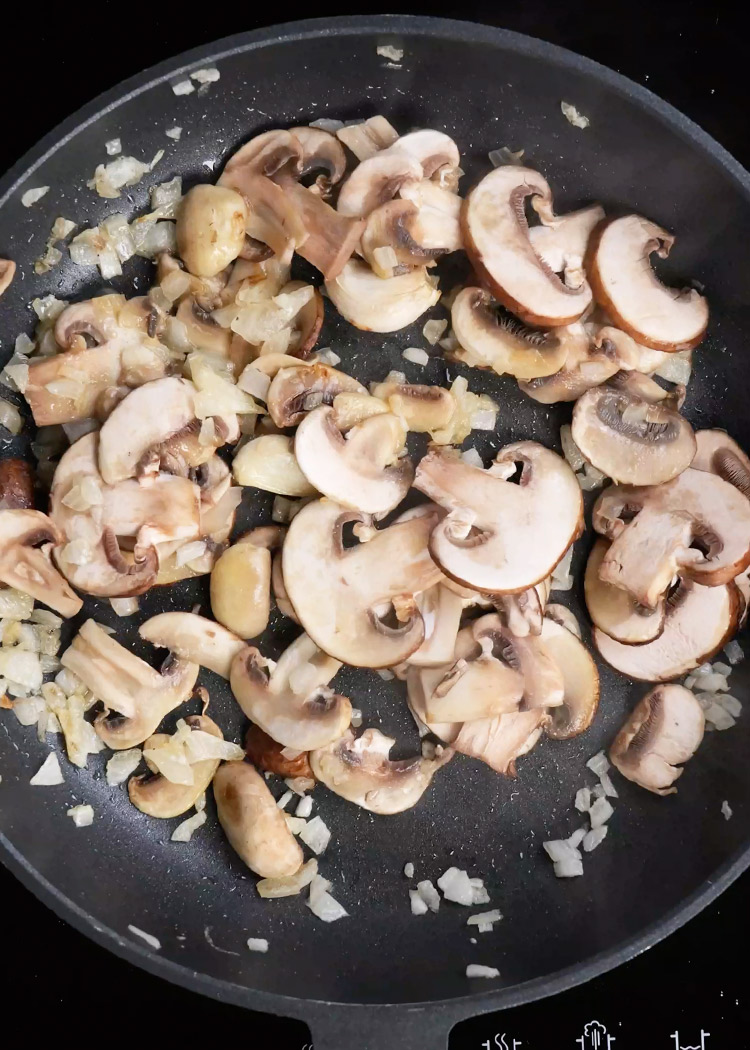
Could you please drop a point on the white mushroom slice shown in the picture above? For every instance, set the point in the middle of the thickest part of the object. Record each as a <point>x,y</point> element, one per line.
<point>523,612</point>
<point>166,509</point>
<point>499,536</point>
<point>580,682</point>
<point>376,305</point>
<point>156,796</point>
<point>422,408</point>
<point>665,730</point>
<point>360,470</point>
<point>253,823</point>
<point>629,353</point>
<point>377,180</point>
<point>266,154</point>
<point>631,293</point>
<point>564,617</point>
<point>27,538</point>
<point>614,611</point>
<point>496,235</point>
<point>331,236</point>
<point>439,212</point>
<point>561,242</point>
<point>136,697</point>
<point>500,741</point>
<point>434,150</point>
<point>586,366</point>
<point>369,137</point>
<point>407,236</point>
<point>482,683</point>
<point>360,771</point>
<point>279,590</point>
<point>696,526</point>
<point>631,439</point>
<point>290,700</point>
<point>345,597</point>
<point>717,453</point>
<point>543,684</point>
<point>193,638</point>
<point>296,391</point>
<point>440,609</point>
<point>699,622</point>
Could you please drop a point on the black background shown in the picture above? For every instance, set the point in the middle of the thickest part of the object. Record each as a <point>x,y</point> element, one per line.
<point>53,61</point>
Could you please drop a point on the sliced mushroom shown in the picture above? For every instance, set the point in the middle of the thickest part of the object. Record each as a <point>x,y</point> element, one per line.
<point>201,330</point>
<point>631,293</point>
<point>7,273</point>
<point>398,234</point>
<point>564,617</point>
<point>296,391</point>
<point>307,323</point>
<point>16,484</point>
<point>699,622</point>
<point>26,541</point>
<point>135,696</point>
<point>331,237</point>
<point>439,212</point>
<point>210,228</point>
<point>580,682</point>
<point>359,770</point>
<point>376,305</point>
<point>273,218</point>
<point>586,366</point>
<point>344,597</point>
<point>290,700</point>
<point>280,596</point>
<point>501,741</point>
<point>614,611</point>
<point>631,439</point>
<point>368,138</point>
<point>267,754</point>
<point>362,470</point>
<point>629,353</point>
<point>270,153</point>
<point>321,152</point>
<point>522,612</point>
<point>377,180</point>
<point>241,587</point>
<point>440,609</point>
<point>561,241</point>
<point>156,796</point>
<point>422,408</point>
<point>501,537</point>
<point>491,338</point>
<point>496,235</point>
<point>719,454</point>
<point>696,526</point>
<point>253,823</point>
<point>665,730</point>
<point>193,638</point>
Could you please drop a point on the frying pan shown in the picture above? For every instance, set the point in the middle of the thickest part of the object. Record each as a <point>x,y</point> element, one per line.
<point>382,977</point>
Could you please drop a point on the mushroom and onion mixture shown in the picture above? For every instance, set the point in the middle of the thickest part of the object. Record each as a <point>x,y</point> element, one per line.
<point>158,414</point>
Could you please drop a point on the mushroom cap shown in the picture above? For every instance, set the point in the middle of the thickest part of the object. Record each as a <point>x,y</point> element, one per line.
<point>665,729</point>
<point>359,770</point>
<point>343,596</point>
<point>695,526</point>
<point>26,540</point>
<point>496,235</point>
<point>631,293</point>
<point>377,180</point>
<point>210,228</point>
<point>295,391</point>
<point>491,339</point>
<point>631,439</point>
<point>500,537</point>
<point>375,304</point>
<point>256,828</point>
<point>360,470</point>
<point>613,610</point>
<point>193,638</point>
<point>717,453</point>
<point>291,702</point>
<point>542,679</point>
<point>699,622</point>
<point>580,682</point>
<point>561,241</point>
<point>156,796</point>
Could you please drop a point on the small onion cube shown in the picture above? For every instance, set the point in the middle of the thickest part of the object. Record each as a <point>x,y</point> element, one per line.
<point>734,652</point>
<point>726,810</point>
<point>475,970</point>
<point>429,894</point>
<point>600,812</point>
<point>484,918</point>
<point>82,816</point>
<point>409,870</point>
<point>577,837</point>
<point>32,196</point>
<point>456,887</point>
<point>49,773</point>
<point>290,885</point>
<point>594,838</point>
<point>122,764</point>
<point>316,835</point>
<point>583,800</point>
<point>730,703</point>
<point>151,941</point>
<point>417,356</point>
<point>598,764</point>
<point>322,904</point>
<point>183,87</point>
<point>257,944</point>
<point>418,904</point>
<point>185,830</point>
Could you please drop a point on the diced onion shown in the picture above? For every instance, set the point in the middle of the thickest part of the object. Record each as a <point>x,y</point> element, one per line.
<point>17,605</point>
<point>726,810</point>
<point>504,155</point>
<point>600,812</point>
<point>290,885</point>
<point>124,606</point>
<point>205,76</point>
<point>472,457</point>
<point>10,417</point>
<point>49,773</point>
<point>174,133</point>
<point>433,330</point>
<point>122,764</point>
<point>82,816</point>
<point>416,355</point>
<point>734,653</point>
<point>186,829</point>
<point>254,382</point>
<point>393,54</point>
<point>257,944</point>
<point>571,451</point>
<point>594,838</point>
<point>485,918</point>
<point>151,941</point>
<point>429,894</point>
<point>316,835</point>
<point>32,196</point>
<point>475,970</point>
<point>573,117</point>
<point>322,904</point>
<point>326,356</point>
<point>418,904</point>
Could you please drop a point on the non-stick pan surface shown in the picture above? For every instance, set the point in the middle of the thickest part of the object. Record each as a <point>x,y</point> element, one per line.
<point>664,859</point>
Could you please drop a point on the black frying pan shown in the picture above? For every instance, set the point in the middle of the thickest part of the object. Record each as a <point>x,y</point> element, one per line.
<point>664,859</point>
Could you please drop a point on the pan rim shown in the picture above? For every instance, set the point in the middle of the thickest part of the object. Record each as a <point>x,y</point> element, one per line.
<point>453,1010</point>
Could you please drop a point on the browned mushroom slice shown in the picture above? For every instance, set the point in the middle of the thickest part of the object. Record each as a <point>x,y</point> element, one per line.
<point>201,329</point>
<point>272,217</point>
<point>331,237</point>
<point>665,730</point>
<point>323,153</point>
<point>440,609</point>
<point>561,241</point>
<point>719,454</point>
<point>375,181</point>
<point>422,408</point>
<point>496,235</point>
<point>359,770</point>
<point>696,526</point>
<point>357,603</point>
<point>522,612</point>
<point>631,293</point>
<point>153,794</point>
<point>269,154</point>
<point>296,391</point>
<point>7,273</point>
<point>631,439</point>
<point>193,638</point>
<point>580,682</point>
<point>375,304</point>
<point>499,537</point>
<point>542,679</point>
<point>629,353</point>
<point>26,541</point>
<point>307,323</point>
<point>210,228</point>
<point>699,622</point>
<point>439,212</point>
<point>614,611</point>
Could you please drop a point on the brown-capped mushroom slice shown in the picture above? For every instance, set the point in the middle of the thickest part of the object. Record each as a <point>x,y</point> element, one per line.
<point>496,235</point>
<point>201,330</point>
<point>498,536</point>
<point>491,338</point>
<point>7,273</point>
<point>307,322</point>
<point>210,230</point>
<point>359,770</point>
<point>440,609</point>
<point>369,137</point>
<point>542,679</point>
<point>267,754</point>
<point>664,730</point>
<point>375,181</point>
<point>26,541</point>
<point>699,622</point>
<point>522,612</point>
<point>564,617</point>
<point>296,391</point>
<point>422,408</point>
<point>717,453</point>
<point>561,241</point>
<point>331,237</point>
<point>614,611</point>
<point>345,598</point>
<point>580,682</point>
<point>631,439</point>
<point>270,153</point>
<point>695,526</point>
<point>193,638</point>
<point>321,152</point>
<point>628,289</point>
<point>637,384</point>
<point>290,699</point>
<point>156,796</point>
<point>586,366</point>
<point>629,353</point>
<point>273,218</point>
<point>362,470</point>
<point>253,823</point>
<point>501,741</point>
<point>436,152</point>
<point>374,304</point>
<point>439,213</point>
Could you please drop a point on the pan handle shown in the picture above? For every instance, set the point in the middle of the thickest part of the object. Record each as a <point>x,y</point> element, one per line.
<point>380,1028</point>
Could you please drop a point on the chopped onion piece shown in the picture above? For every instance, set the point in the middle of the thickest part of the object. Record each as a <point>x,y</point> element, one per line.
<point>322,904</point>
<point>416,355</point>
<point>356,719</point>
<point>600,812</point>
<point>730,703</point>
<point>409,870</point>
<point>714,683</point>
<point>29,709</point>
<point>598,764</point>
<point>49,773</point>
<point>183,87</point>
<point>327,124</point>
<point>726,809</point>
<point>594,838</point>
<point>32,196</point>
<point>418,905</point>
<point>316,835</point>
<point>571,451</point>
<point>21,667</point>
<point>326,356</point>
<point>393,54</point>
<point>429,894</point>
<point>17,605</point>
<point>433,330</point>
<point>151,941</point>
<point>676,368</point>
<point>499,157</point>
<point>257,944</point>
<point>122,764</point>
<point>304,807</point>
<point>718,717</point>
<point>385,674</point>
<point>734,653</point>
<point>284,800</point>
<point>577,837</point>
<point>124,606</point>
<point>457,887</point>
<point>185,830</point>
<point>573,117</point>
<point>484,918</point>
<point>82,816</point>
<point>207,75</point>
<point>583,800</point>
<point>174,133</point>
<point>113,147</point>
<point>290,885</point>
<point>254,382</point>
<point>475,970</point>
<point>472,457</point>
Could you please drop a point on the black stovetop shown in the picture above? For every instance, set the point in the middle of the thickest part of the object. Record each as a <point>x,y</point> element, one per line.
<point>685,993</point>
